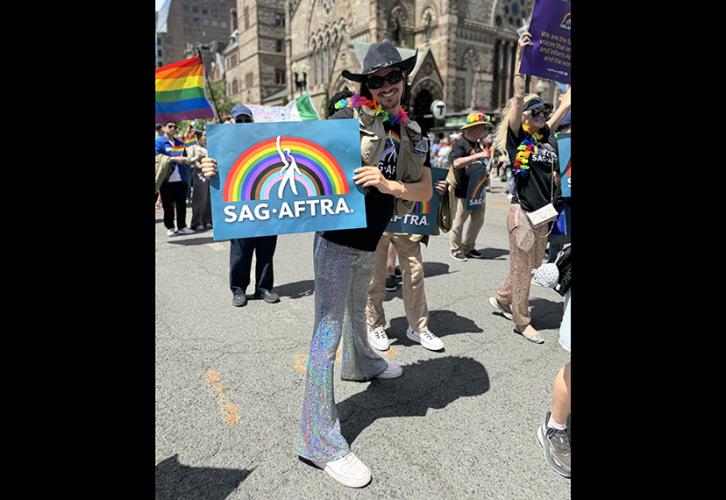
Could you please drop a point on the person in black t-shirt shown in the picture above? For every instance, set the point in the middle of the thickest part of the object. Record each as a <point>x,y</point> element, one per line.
<point>466,154</point>
<point>524,132</point>
<point>393,152</point>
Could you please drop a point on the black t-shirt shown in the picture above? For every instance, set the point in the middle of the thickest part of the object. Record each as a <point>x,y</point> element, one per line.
<point>533,191</point>
<point>463,147</point>
<point>379,206</point>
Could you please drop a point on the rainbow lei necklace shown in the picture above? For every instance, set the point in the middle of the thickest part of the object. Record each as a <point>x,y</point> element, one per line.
<point>356,100</point>
<point>528,146</point>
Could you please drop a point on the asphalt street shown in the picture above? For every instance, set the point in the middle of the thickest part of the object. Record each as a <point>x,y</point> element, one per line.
<point>460,423</point>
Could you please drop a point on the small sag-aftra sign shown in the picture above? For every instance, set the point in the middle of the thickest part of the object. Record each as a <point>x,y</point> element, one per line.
<point>476,193</point>
<point>285,177</point>
<point>424,216</point>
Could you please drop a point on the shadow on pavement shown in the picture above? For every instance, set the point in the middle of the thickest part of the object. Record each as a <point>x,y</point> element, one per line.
<point>441,323</point>
<point>431,383</point>
<point>546,314</point>
<point>295,290</point>
<point>175,480</point>
<point>492,253</point>
<point>181,240</point>
<point>431,269</point>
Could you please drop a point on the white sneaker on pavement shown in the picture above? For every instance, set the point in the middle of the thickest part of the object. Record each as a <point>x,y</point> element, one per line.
<point>426,338</point>
<point>185,230</point>
<point>171,232</point>
<point>378,339</point>
<point>393,371</point>
<point>349,471</point>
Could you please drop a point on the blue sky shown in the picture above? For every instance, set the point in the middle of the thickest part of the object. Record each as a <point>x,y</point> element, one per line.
<point>159,3</point>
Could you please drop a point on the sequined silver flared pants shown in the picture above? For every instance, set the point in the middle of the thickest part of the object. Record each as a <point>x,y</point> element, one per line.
<point>342,275</point>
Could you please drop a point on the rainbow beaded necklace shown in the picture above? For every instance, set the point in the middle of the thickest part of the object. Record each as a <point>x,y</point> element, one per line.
<point>525,150</point>
<point>357,100</point>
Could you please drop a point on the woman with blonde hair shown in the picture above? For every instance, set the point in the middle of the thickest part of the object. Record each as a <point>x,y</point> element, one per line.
<point>523,133</point>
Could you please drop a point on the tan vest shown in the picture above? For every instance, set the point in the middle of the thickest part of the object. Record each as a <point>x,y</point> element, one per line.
<point>409,167</point>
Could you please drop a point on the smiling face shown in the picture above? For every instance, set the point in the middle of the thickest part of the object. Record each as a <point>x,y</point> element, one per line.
<point>389,94</point>
<point>536,118</point>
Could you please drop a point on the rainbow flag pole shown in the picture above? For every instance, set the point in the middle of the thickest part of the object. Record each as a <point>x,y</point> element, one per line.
<point>180,91</point>
<point>206,76</point>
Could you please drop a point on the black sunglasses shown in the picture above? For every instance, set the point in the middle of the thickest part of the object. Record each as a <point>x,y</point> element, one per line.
<point>376,82</point>
<point>243,119</point>
<point>171,126</point>
<point>538,113</point>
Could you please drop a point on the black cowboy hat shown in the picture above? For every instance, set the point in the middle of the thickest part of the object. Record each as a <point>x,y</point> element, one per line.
<point>381,55</point>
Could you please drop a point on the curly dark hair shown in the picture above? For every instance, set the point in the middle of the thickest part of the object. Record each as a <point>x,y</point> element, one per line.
<point>343,94</point>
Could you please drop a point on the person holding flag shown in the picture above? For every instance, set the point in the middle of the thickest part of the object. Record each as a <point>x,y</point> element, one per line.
<point>173,189</point>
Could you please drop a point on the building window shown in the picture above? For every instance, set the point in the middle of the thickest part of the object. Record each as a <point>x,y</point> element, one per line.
<point>248,80</point>
<point>185,8</point>
<point>205,11</point>
<point>215,23</point>
<point>195,9</point>
<point>280,76</point>
<point>158,52</point>
<point>428,31</point>
<point>187,20</point>
<point>235,86</point>
<point>278,45</point>
<point>223,24</point>
<point>233,19</point>
<point>205,22</point>
<point>247,18</point>
<point>279,19</point>
<point>196,20</point>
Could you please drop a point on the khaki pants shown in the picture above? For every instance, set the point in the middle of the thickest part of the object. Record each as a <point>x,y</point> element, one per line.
<point>457,226</point>
<point>526,251</point>
<point>412,273</point>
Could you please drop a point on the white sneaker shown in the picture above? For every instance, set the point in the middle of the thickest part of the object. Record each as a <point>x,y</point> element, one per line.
<point>426,338</point>
<point>393,371</point>
<point>185,230</point>
<point>171,232</point>
<point>349,471</point>
<point>378,339</point>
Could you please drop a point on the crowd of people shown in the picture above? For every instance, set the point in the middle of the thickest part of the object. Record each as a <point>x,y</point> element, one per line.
<point>353,268</point>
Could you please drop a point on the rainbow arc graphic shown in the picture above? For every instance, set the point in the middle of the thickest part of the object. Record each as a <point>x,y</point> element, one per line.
<point>476,191</point>
<point>257,172</point>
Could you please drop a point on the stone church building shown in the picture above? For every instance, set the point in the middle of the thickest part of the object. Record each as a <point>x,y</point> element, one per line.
<point>466,47</point>
<point>281,48</point>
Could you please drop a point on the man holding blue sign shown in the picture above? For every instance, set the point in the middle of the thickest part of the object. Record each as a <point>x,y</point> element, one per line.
<point>467,157</point>
<point>406,238</point>
<point>393,177</point>
<point>242,249</point>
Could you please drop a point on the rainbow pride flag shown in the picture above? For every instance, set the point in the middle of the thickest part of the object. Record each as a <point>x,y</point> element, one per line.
<point>176,151</point>
<point>190,140</point>
<point>180,91</point>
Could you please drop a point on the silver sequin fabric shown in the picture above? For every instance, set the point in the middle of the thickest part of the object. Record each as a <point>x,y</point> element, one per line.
<point>342,275</point>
